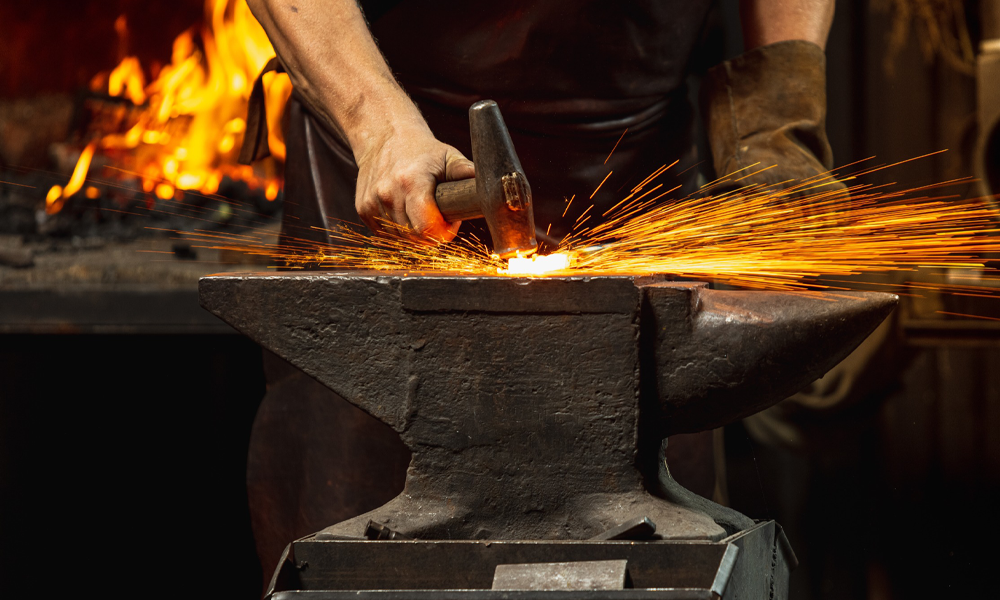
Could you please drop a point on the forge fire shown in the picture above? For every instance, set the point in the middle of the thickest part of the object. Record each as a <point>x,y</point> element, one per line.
<point>181,131</point>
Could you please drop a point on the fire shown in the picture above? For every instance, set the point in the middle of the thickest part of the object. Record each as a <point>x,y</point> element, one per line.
<point>190,118</point>
<point>58,195</point>
<point>128,80</point>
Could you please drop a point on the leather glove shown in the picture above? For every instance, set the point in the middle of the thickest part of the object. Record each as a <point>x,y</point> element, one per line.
<point>768,106</point>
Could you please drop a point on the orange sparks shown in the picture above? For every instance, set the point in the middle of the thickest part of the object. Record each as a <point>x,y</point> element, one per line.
<point>600,184</point>
<point>797,238</point>
<point>616,146</point>
<point>570,203</point>
<point>653,176</point>
<point>766,237</point>
<point>17,184</point>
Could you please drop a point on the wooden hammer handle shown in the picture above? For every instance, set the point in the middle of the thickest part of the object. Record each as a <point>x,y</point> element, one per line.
<point>457,200</point>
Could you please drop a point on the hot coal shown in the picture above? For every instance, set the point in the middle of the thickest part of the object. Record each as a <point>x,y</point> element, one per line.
<point>118,210</point>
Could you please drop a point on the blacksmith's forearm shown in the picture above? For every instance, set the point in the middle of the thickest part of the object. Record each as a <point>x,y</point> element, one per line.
<point>769,21</point>
<point>334,63</point>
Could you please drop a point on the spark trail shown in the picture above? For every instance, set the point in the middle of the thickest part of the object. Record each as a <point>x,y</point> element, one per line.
<point>764,237</point>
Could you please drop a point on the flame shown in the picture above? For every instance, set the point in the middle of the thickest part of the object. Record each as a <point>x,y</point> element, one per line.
<point>57,195</point>
<point>191,119</point>
<point>127,80</point>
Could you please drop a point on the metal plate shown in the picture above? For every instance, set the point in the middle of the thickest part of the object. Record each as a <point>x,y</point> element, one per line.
<point>753,563</point>
<point>577,575</point>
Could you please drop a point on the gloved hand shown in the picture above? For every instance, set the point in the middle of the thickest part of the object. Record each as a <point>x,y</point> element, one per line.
<point>768,106</point>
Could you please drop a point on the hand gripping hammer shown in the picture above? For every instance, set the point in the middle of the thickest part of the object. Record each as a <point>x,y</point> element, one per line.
<point>499,193</point>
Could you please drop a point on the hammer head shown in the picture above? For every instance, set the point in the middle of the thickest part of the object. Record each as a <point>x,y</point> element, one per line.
<point>501,186</point>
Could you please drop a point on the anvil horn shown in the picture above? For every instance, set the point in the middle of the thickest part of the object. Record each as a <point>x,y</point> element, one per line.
<point>724,355</point>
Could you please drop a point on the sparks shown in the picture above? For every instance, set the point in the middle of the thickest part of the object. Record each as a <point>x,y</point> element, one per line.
<point>600,184</point>
<point>616,146</point>
<point>754,237</point>
<point>768,238</point>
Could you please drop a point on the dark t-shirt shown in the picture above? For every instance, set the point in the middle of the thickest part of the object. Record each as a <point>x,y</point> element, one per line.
<point>584,62</point>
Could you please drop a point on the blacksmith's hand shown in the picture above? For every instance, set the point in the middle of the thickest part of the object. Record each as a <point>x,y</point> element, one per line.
<point>348,85</point>
<point>398,171</point>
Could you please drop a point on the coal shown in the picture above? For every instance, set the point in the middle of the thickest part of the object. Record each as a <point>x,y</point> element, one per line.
<point>119,210</point>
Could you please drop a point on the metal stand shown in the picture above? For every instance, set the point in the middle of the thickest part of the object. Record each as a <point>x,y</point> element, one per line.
<point>752,564</point>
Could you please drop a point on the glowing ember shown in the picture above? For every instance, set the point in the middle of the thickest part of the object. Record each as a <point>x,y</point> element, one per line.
<point>187,133</point>
<point>537,264</point>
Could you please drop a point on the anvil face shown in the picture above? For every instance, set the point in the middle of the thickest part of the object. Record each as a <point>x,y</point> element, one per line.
<point>525,401</point>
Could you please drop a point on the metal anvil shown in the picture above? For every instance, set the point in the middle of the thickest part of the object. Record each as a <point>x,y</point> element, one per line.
<point>534,407</point>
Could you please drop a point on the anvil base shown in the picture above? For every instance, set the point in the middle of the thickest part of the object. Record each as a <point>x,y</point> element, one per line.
<point>753,563</point>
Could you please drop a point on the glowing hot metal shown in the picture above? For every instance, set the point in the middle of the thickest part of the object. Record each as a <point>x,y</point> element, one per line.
<point>537,264</point>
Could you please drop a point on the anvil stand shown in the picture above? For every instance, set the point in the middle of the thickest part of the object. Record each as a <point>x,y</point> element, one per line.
<point>534,409</point>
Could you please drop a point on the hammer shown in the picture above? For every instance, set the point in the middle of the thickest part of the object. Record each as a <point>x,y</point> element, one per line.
<point>499,192</point>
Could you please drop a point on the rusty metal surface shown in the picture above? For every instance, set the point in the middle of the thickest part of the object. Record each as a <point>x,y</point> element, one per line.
<point>640,528</point>
<point>522,404</point>
<point>444,564</point>
<point>763,566</point>
<point>308,444</point>
<point>658,594</point>
<point>493,295</point>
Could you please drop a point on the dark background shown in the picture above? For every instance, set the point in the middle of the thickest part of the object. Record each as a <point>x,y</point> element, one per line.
<point>49,46</point>
<point>122,465</point>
